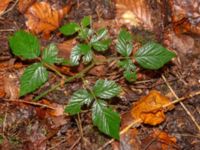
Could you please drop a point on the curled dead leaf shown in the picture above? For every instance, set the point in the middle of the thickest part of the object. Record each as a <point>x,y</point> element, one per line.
<point>150,108</point>
<point>42,18</point>
<point>135,13</point>
<point>3,5</point>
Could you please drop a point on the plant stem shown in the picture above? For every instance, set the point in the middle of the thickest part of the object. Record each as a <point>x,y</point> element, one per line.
<point>78,75</point>
<point>54,69</point>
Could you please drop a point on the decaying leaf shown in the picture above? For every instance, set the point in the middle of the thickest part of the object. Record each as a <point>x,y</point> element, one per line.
<point>3,5</point>
<point>23,5</point>
<point>160,140</point>
<point>134,12</point>
<point>186,15</point>
<point>11,86</point>
<point>149,108</point>
<point>65,48</point>
<point>42,18</point>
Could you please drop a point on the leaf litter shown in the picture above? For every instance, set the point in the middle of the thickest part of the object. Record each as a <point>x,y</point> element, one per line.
<point>46,128</point>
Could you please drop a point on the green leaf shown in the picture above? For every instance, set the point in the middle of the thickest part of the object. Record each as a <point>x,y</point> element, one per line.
<point>127,64</point>
<point>130,75</point>
<point>24,44</point>
<point>33,77</point>
<point>101,33</point>
<point>106,119</point>
<point>49,55</point>
<point>124,44</point>
<point>85,33</point>
<point>101,45</point>
<point>78,99</point>
<point>86,21</point>
<point>153,56</point>
<point>78,51</point>
<point>106,89</point>
<point>70,28</point>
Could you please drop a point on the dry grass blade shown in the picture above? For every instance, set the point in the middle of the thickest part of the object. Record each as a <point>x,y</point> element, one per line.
<point>184,107</point>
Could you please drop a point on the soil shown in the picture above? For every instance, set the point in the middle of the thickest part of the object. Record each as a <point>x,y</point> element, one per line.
<point>29,127</point>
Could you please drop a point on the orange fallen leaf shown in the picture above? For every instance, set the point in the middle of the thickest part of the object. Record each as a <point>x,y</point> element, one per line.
<point>42,18</point>
<point>162,141</point>
<point>149,108</point>
<point>3,5</point>
<point>134,12</point>
<point>23,5</point>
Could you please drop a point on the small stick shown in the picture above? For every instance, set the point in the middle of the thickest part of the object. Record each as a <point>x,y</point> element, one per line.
<point>31,103</point>
<point>10,9</point>
<point>184,107</point>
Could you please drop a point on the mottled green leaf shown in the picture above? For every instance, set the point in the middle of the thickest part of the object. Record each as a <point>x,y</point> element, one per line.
<point>106,119</point>
<point>78,99</point>
<point>153,56</point>
<point>33,77</point>
<point>81,50</point>
<point>49,55</point>
<point>106,89</point>
<point>101,45</point>
<point>124,44</point>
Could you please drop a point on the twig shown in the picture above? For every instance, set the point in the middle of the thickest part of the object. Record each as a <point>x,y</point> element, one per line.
<point>184,107</point>
<point>10,9</point>
<point>78,75</point>
<point>55,70</point>
<point>76,142</point>
<point>31,103</point>
<point>134,123</point>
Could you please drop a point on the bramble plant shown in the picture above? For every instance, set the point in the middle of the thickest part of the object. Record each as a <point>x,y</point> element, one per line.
<point>26,46</point>
<point>89,40</point>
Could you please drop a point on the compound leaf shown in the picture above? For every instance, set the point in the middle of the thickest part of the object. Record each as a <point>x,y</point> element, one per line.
<point>33,77</point>
<point>24,44</point>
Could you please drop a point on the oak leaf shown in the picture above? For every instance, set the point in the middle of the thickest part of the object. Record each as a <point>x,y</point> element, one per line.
<point>42,18</point>
<point>3,5</point>
<point>150,108</point>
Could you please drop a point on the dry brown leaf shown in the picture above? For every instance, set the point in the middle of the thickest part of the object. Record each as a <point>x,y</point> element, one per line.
<point>149,108</point>
<point>42,18</point>
<point>11,86</point>
<point>65,48</point>
<point>162,141</point>
<point>3,5</point>
<point>135,13</point>
<point>23,5</point>
<point>186,15</point>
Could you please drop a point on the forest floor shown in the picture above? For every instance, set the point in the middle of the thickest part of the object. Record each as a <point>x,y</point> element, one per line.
<point>29,126</point>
